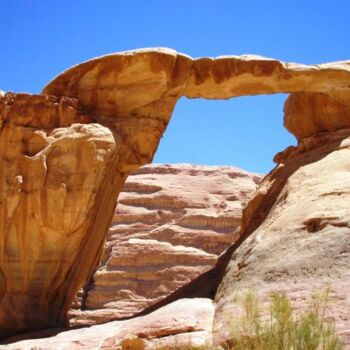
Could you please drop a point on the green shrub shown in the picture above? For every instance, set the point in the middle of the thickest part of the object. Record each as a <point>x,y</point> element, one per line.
<point>281,328</point>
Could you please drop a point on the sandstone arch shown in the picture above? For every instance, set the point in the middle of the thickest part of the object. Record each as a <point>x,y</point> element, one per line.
<point>66,153</point>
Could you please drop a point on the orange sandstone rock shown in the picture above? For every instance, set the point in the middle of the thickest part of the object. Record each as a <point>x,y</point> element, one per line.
<point>56,165</point>
<point>307,114</point>
<point>59,181</point>
<point>154,74</point>
<point>149,82</point>
<point>65,157</point>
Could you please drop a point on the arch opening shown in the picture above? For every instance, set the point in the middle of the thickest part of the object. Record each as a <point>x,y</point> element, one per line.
<point>245,132</point>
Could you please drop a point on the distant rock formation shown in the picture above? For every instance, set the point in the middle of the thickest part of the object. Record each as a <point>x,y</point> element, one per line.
<point>65,155</point>
<point>170,225</point>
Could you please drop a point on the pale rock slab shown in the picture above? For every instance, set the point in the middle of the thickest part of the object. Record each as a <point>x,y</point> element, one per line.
<point>186,321</point>
<point>299,233</point>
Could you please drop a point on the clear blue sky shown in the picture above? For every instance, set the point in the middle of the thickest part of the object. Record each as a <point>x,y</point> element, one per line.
<point>41,38</point>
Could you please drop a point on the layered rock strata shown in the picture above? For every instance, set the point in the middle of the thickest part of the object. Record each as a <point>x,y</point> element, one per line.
<point>117,108</point>
<point>170,225</point>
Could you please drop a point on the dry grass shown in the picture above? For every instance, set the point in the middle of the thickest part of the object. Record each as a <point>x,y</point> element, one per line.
<point>284,329</point>
<point>281,328</point>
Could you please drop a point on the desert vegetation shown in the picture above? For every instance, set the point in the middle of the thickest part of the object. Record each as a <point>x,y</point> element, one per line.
<point>279,327</point>
<point>283,328</point>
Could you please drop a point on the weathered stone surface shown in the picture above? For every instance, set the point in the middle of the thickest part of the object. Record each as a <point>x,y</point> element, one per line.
<point>60,177</point>
<point>307,114</point>
<point>53,170</point>
<point>170,225</point>
<point>125,103</point>
<point>300,232</point>
<point>186,321</point>
<point>230,76</point>
<point>126,81</point>
<point>149,81</point>
<point>151,74</point>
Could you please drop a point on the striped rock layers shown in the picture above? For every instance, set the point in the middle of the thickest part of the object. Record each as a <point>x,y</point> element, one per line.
<point>170,225</point>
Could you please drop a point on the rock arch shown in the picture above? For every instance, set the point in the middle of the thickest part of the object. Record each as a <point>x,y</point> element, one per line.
<point>66,153</point>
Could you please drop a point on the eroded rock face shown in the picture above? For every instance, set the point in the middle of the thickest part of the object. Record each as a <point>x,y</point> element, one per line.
<point>104,120</point>
<point>170,225</point>
<point>60,178</point>
<point>55,166</point>
<point>308,114</point>
<point>300,240</point>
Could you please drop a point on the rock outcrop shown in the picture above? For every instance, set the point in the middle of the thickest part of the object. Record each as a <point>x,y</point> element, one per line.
<point>298,224</point>
<point>60,177</point>
<point>56,165</point>
<point>170,225</point>
<point>66,153</point>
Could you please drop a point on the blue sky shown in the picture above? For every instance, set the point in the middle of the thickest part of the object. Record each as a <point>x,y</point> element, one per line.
<point>41,38</point>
